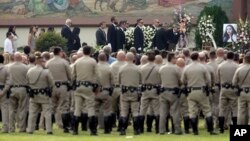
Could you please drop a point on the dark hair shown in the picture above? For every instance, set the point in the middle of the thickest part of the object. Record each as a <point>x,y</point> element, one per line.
<point>171,55</point>
<point>1,58</point>
<point>164,54</point>
<point>32,58</point>
<point>84,44</point>
<point>138,20</point>
<point>51,29</point>
<point>212,54</point>
<point>157,52</point>
<point>195,56</point>
<point>122,22</point>
<point>31,29</point>
<point>101,23</point>
<point>112,19</point>
<point>151,56</point>
<point>87,50</point>
<point>76,31</point>
<point>11,29</point>
<point>226,36</point>
<point>57,50</point>
<point>186,52</point>
<point>26,50</point>
<point>230,55</point>
<point>8,34</point>
<point>247,58</point>
<point>42,29</point>
<point>236,57</point>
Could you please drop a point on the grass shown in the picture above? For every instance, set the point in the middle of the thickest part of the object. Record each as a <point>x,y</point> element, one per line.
<point>60,136</point>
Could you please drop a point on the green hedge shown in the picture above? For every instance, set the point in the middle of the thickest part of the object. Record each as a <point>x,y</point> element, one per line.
<point>220,18</point>
<point>50,39</point>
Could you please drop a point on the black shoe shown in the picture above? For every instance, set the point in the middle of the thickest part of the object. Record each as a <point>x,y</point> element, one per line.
<point>186,124</point>
<point>49,133</point>
<point>149,122</point>
<point>157,122</point>
<point>194,124</point>
<point>122,124</point>
<point>93,122</point>
<point>84,121</point>
<point>107,125</point>
<point>141,123</point>
<point>210,125</point>
<point>136,125</point>
<point>75,125</point>
<point>66,122</point>
<point>221,124</point>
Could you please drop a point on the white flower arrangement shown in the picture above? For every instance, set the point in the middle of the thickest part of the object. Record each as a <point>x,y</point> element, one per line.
<point>183,19</point>
<point>149,34</point>
<point>129,37</point>
<point>206,28</point>
<point>243,33</point>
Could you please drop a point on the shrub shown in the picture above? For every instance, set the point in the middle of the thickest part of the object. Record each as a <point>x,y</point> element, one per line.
<point>220,18</point>
<point>50,39</point>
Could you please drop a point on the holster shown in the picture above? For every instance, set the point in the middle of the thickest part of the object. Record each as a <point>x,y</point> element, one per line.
<point>238,90</point>
<point>207,90</point>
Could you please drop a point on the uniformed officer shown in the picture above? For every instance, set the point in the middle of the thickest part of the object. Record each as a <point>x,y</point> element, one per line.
<point>40,83</point>
<point>104,99</point>
<point>228,98</point>
<point>169,98</point>
<point>18,93</point>
<point>241,80</point>
<point>195,77</point>
<point>4,102</point>
<point>220,55</point>
<point>150,90</point>
<point>129,78</point>
<point>117,90</point>
<point>62,75</point>
<point>85,76</point>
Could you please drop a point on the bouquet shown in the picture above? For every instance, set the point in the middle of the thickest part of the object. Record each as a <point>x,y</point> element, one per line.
<point>149,34</point>
<point>183,19</point>
<point>129,37</point>
<point>206,28</point>
<point>243,34</point>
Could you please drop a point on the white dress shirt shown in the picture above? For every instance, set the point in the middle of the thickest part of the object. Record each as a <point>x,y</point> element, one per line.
<point>8,47</point>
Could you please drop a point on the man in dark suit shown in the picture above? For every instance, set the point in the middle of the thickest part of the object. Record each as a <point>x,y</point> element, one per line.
<point>67,33</point>
<point>121,35</point>
<point>139,36</point>
<point>101,38</point>
<point>173,36</point>
<point>160,39</point>
<point>112,34</point>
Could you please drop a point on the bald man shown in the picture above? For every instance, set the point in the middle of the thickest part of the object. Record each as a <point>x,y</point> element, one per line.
<point>158,60</point>
<point>129,77</point>
<point>18,97</point>
<point>180,62</point>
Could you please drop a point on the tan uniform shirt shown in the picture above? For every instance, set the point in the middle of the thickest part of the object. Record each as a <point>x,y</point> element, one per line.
<point>170,76</point>
<point>115,67</point>
<point>59,69</point>
<point>226,71</point>
<point>18,72</point>
<point>153,77</point>
<point>214,66</point>
<point>195,75</point>
<point>219,60</point>
<point>39,78</point>
<point>239,76</point>
<point>85,69</point>
<point>4,78</point>
<point>129,75</point>
<point>104,74</point>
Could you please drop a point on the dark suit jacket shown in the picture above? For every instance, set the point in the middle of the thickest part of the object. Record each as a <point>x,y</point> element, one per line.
<point>171,37</point>
<point>100,37</point>
<point>112,39</point>
<point>160,39</point>
<point>138,39</point>
<point>120,38</point>
<point>67,33</point>
<point>76,42</point>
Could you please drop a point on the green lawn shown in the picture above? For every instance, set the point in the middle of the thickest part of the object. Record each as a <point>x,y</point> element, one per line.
<point>84,136</point>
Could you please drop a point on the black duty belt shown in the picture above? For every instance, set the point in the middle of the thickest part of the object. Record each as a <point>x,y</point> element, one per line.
<point>40,91</point>
<point>60,83</point>
<point>116,86</point>
<point>197,88</point>
<point>83,83</point>
<point>227,85</point>
<point>108,89</point>
<point>1,87</point>
<point>175,90</point>
<point>149,87</point>
<point>246,89</point>
<point>129,88</point>
<point>18,86</point>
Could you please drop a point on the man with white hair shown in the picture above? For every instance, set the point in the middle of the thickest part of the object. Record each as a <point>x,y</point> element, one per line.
<point>67,33</point>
